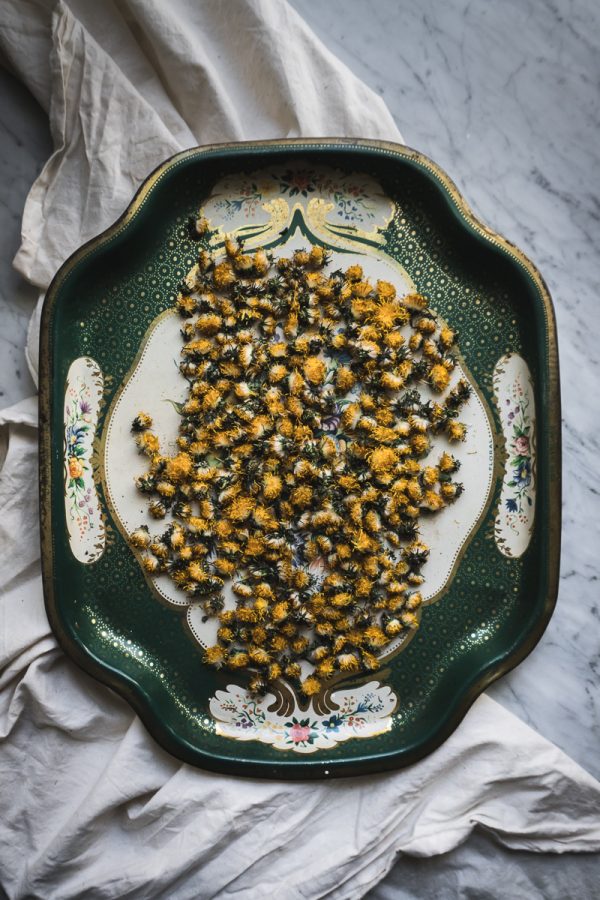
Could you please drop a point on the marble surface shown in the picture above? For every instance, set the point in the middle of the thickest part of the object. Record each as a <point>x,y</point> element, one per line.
<point>505,97</point>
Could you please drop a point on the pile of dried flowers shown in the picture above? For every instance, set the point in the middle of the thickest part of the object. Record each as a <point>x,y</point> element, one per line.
<point>301,470</point>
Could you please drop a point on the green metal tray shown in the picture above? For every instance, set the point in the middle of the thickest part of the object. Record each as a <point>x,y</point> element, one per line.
<point>105,341</point>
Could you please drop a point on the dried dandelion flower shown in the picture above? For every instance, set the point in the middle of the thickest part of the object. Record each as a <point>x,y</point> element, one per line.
<point>298,448</point>
<point>439,378</point>
<point>157,509</point>
<point>456,431</point>
<point>310,686</point>
<point>141,422</point>
<point>344,379</point>
<point>215,656</point>
<point>140,538</point>
<point>382,460</point>
<point>348,662</point>
<point>314,370</point>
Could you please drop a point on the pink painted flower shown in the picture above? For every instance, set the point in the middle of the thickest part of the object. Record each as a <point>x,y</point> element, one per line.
<point>299,733</point>
<point>522,445</point>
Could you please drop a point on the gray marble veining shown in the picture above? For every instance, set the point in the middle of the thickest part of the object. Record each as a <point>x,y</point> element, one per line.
<point>482,870</point>
<point>505,96</point>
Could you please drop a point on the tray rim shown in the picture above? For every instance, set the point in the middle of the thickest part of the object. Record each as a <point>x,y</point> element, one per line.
<point>132,691</point>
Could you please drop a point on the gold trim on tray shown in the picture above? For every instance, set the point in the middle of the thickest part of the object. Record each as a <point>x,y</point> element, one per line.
<point>550,405</point>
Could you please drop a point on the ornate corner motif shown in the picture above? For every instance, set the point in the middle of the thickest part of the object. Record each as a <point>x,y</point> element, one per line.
<point>335,205</point>
<point>513,392</point>
<point>83,398</point>
<point>362,712</point>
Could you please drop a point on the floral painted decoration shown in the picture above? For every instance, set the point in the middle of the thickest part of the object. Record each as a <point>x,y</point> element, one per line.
<point>336,205</point>
<point>82,400</point>
<point>248,201</point>
<point>360,713</point>
<point>352,201</point>
<point>520,449</point>
<point>513,389</point>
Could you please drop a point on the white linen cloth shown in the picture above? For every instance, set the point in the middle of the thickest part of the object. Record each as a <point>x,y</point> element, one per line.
<point>90,806</point>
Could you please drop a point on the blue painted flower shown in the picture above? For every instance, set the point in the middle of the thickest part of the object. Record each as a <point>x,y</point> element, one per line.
<point>333,723</point>
<point>75,434</point>
<point>522,474</point>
